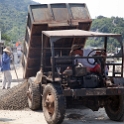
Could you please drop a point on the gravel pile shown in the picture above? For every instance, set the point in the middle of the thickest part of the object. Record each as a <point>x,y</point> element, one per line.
<point>14,98</point>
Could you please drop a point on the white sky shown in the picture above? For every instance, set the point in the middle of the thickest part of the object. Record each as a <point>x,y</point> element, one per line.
<point>107,8</point>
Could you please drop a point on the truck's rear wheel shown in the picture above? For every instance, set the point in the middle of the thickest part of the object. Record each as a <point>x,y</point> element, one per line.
<point>53,104</point>
<point>33,94</point>
<point>115,108</point>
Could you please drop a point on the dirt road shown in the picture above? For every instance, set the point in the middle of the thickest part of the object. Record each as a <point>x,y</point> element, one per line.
<point>27,116</point>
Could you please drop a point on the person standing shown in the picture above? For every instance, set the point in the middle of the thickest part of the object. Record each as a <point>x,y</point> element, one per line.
<point>5,68</point>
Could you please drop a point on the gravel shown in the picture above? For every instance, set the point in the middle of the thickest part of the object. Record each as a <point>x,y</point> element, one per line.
<point>14,98</point>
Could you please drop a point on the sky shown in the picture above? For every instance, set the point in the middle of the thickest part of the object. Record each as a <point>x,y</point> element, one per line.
<point>107,8</point>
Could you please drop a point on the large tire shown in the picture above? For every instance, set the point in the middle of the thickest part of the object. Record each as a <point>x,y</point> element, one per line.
<point>115,108</point>
<point>53,104</point>
<point>33,94</point>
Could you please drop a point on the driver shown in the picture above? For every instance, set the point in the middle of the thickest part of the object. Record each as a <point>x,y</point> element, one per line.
<point>91,66</point>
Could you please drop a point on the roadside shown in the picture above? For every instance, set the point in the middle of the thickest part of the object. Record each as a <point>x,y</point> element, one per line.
<point>27,116</point>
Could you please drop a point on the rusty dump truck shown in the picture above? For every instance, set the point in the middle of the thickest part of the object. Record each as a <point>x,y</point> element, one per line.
<point>52,30</point>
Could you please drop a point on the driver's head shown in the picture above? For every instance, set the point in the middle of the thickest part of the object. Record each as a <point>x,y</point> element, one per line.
<point>76,49</point>
<point>77,53</point>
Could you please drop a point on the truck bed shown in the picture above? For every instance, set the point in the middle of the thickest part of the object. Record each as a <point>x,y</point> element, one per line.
<point>44,17</point>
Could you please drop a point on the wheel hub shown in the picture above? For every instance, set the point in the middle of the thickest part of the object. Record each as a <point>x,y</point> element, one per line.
<point>50,103</point>
<point>114,103</point>
<point>29,94</point>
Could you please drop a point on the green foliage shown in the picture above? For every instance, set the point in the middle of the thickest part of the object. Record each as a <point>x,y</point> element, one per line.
<point>5,37</point>
<point>13,15</point>
<point>107,25</point>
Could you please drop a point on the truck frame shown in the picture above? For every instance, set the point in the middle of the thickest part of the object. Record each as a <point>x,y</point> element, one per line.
<point>58,89</point>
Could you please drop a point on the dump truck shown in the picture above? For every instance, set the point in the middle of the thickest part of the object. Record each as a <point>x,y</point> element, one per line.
<point>52,30</point>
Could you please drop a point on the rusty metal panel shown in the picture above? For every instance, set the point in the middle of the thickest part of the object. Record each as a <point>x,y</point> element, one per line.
<point>34,52</point>
<point>59,12</point>
<point>38,28</point>
<point>29,72</point>
<point>79,11</point>
<point>33,63</point>
<point>94,91</point>
<point>30,68</point>
<point>35,41</point>
<point>40,13</point>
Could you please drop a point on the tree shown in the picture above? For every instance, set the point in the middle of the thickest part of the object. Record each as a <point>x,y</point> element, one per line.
<point>7,39</point>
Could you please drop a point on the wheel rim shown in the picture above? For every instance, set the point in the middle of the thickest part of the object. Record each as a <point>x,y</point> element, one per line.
<point>114,104</point>
<point>49,103</point>
<point>29,96</point>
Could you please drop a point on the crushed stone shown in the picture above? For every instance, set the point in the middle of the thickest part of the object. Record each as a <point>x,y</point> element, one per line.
<point>14,98</point>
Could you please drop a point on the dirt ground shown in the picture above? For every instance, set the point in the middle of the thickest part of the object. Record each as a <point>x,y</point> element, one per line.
<point>84,116</point>
<point>27,116</point>
<point>17,74</point>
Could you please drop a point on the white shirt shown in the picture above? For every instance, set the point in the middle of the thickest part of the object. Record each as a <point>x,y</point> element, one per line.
<point>84,61</point>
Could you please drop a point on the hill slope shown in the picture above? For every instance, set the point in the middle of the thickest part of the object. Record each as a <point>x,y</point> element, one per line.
<point>109,25</point>
<point>13,17</point>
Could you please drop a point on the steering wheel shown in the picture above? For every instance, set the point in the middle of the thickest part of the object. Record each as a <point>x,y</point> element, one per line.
<point>99,59</point>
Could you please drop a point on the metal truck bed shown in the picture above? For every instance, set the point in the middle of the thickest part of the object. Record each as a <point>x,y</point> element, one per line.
<point>43,17</point>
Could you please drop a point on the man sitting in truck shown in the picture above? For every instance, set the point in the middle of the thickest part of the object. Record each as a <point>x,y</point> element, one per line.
<point>79,51</point>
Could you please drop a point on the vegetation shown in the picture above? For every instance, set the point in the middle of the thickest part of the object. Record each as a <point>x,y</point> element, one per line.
<point>13,16</point>
<point>108,25</point>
